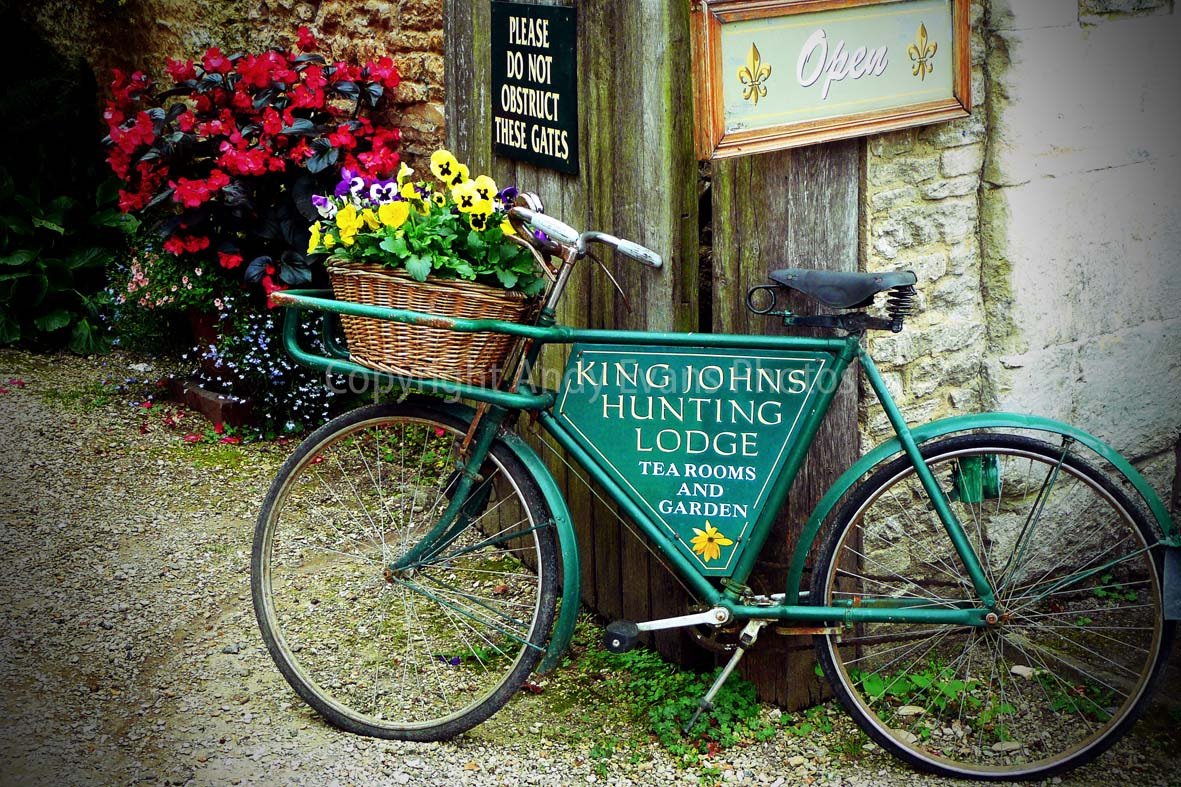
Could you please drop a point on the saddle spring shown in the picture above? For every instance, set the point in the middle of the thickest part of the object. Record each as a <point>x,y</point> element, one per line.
<point>900,303</point>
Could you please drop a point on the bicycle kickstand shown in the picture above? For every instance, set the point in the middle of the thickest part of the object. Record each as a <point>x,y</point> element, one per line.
<point>750,633</point>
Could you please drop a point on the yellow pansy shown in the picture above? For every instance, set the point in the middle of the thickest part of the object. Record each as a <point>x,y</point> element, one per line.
<point>507,227</point>
<point>347,219</point>
<point>370,219</point>
<point>409,191</point>
<point>404,173</point>
<point>394,214</point>
<point>478,220</point>
<point>486,187</point>
<point>468,200</point>
<point>314,241</point>
<point>329,241</point>
<point>708,542</point>
<point>443,165</point>
<point>461,175</point>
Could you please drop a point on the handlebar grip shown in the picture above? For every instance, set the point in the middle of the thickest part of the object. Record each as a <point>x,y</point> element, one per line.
<point>557,230</point>
<point>641,253</point>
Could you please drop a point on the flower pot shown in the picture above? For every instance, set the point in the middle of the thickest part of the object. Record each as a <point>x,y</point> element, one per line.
<point>423,351</point>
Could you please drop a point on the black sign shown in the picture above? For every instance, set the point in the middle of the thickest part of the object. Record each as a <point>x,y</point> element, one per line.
<point>534,93</point>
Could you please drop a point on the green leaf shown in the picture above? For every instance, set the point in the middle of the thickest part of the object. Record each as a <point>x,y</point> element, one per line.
<point>54,320</point>
<point>418,267</point>
<point>49,225</point>
<point>20,257</point>
<point>85,340</point>
<point>40,286</point>
<point>507,278</point>
<point>396,246</point>
<point>874,685</point>
<point>93,257</point>
<point>10,329</point>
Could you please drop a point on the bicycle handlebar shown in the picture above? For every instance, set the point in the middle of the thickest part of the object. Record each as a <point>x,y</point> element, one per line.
<point>564,233</point>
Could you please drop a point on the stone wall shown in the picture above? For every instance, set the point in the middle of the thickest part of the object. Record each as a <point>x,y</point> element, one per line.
<point>140,34</point>
<point>1045,230</point>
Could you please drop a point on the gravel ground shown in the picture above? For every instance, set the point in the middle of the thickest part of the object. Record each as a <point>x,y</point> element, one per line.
<point>129,652</point>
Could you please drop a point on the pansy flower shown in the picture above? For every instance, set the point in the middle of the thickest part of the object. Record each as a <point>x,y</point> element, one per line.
<point>404,173</point>
<point>324,206</point>
<point>394,214</point>
<point>383,191</point>
<point>465,196</point>
<point>486,188</point>
<point>443,165</point>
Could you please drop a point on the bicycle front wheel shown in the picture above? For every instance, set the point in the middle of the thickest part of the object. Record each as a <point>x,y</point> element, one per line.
<point>421,650</point>
<point>1080,634</point>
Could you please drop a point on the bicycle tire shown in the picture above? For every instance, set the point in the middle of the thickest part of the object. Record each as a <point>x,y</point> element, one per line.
<point>426,652</point>
<point>1081,637</point>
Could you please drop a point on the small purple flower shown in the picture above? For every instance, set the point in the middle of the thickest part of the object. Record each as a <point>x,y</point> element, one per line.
<point>383,191</point>
<point>350,183</point>
<point>324,206</point>
<point>508,195</point>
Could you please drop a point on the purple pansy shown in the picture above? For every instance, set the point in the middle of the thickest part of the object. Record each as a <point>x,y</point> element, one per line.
<point>384,191</point>
<point>324,206</point>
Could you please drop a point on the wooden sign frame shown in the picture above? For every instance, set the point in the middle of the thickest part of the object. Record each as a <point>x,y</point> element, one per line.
<point>710,19</point>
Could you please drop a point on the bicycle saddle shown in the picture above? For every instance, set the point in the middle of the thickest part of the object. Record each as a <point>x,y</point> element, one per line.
<point>841,289</point>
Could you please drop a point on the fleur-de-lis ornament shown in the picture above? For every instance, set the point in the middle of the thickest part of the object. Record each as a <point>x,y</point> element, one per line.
<point>753,75</point>
<point>921,54</point>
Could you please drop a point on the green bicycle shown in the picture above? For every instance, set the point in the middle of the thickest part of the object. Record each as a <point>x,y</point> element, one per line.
<point>988,604</point>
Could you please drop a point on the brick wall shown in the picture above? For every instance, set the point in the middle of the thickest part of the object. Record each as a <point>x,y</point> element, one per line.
<point>142,33</point>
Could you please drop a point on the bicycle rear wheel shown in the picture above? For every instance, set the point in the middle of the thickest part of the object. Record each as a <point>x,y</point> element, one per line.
<point>1080,635</point>
<point>420,652</point>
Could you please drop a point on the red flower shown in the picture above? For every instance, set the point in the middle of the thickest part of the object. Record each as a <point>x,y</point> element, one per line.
<point>229,261</point>
<point>307,42</point>
<point>219,428</point>
<point>179,244</point>
<point>343,137</point>
<point>269,286</point>
<point>313,78</point>
<point>379,163</point>
<point>180,71</point>
<point>192,438</point>
<point>272,122</point>
<point>304,98</point>
<point>216,62</point>
<point>230,440</point>
<point>385,72</point>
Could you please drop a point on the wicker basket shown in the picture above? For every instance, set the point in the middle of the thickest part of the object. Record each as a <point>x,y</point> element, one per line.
<point>421,351</point>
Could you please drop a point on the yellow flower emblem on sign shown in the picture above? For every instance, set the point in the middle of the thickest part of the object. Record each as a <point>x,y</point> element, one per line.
<point>922,53</point>
<point>753,75</point>
<point>709,542</point>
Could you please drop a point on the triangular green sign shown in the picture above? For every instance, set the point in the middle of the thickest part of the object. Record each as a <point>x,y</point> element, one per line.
<point>694,436</point>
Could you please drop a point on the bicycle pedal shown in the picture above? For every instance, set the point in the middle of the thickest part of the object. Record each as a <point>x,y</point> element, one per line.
<point>621,636</point>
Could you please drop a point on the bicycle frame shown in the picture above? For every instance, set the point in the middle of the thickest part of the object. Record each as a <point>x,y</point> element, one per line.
<point>729,596</point>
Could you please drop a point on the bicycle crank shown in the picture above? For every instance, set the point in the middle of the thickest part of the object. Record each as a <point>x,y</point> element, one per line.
<point>623,635</point>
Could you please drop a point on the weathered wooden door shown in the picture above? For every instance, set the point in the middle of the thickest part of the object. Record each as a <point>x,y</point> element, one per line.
<point>639,179</point>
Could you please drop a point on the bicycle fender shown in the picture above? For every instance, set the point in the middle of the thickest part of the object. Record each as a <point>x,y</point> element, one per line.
<point>963,423</point>
<point>571,592</point>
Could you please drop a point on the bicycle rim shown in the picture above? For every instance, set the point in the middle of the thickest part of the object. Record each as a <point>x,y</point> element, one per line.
<point>420,651</point>
<point>1080,631</point>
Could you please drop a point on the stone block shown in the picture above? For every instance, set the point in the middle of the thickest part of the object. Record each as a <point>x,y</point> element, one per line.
<point>964,131</point>
<point>927,267</point>
<point>888,198</point>
<point>963,160</point>
<point>950,187</point>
